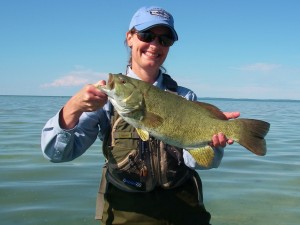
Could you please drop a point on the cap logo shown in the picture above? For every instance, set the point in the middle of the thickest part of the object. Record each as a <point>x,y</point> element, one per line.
<point>161,13</point>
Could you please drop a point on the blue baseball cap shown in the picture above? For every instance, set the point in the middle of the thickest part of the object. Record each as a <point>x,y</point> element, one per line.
<point>148,17</point>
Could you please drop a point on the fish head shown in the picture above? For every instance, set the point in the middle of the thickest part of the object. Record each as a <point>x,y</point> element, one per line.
<point>123,92</point>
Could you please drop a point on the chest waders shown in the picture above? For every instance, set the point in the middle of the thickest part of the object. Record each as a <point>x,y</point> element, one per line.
<point>134,165</point>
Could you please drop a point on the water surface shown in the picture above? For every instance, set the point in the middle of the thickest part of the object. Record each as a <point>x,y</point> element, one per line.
<point>245,190</point>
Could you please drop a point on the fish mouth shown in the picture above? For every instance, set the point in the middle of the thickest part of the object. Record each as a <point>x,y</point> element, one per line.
<point>110,83</point>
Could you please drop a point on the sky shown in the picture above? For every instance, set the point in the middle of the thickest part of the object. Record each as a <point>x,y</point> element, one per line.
<point>226,49</point>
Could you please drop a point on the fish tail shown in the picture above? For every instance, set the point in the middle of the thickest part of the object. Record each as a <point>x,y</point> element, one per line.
<point>252,133</point>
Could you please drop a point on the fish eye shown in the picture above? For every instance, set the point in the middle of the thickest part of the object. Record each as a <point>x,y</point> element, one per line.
<point>123,81</point>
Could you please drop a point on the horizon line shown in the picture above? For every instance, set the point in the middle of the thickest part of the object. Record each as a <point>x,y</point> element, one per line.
<point>214,98</point>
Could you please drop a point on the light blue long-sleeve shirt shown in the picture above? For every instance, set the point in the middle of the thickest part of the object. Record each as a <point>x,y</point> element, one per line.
<point>61,145</point>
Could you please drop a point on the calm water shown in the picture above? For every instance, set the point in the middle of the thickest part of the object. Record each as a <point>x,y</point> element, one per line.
<point>245,190</point>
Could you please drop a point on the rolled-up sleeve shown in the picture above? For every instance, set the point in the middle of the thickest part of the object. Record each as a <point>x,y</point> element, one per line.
<point>60,145</point>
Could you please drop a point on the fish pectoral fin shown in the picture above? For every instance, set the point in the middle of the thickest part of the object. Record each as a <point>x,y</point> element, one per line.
<point>204,156</point>
<point>144,135</point>
<point>152,120</point>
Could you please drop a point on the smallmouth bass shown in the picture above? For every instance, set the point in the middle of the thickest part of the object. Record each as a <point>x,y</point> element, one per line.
<point>178,121</point>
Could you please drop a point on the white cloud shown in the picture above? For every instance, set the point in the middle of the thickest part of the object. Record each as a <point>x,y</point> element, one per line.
<point>259,67</point>
<point>66,81</point>
<point>78,77</point>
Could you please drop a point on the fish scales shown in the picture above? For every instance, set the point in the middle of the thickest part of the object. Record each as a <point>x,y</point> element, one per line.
<point>183,120</point>
<point>178,121</point>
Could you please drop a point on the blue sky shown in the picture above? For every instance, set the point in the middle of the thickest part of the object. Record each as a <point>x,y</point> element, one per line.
<point>226,48</point>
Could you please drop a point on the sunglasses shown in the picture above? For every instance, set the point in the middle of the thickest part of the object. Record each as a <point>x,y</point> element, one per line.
<point>147,36</point>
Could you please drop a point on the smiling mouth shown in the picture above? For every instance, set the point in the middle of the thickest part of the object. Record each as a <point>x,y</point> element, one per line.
<point>151,54</point>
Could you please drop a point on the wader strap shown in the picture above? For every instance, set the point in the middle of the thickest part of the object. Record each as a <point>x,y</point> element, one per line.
<point>100,195</point>
<point>198,183</point>
<point>170,84</point>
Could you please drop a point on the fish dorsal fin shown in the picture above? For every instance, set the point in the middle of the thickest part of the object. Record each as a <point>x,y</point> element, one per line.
<point>215,111</point>
<point>144,135</point>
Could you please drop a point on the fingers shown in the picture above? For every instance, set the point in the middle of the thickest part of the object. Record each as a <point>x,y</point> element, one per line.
<point>230,141</point>
<point>231,115</point>
<point>100,83</point>
<point>220,140</point>
<point>90,98</point>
